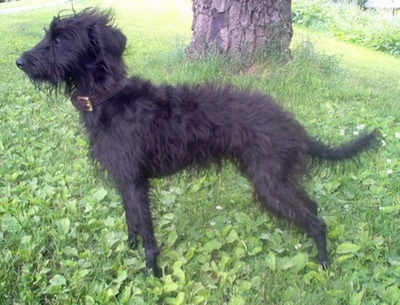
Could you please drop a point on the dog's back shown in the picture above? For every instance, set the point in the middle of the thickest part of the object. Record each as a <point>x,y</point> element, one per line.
<point>174,127</point>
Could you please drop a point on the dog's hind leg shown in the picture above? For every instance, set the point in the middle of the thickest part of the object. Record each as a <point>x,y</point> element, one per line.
<point>279,194</point>
<point>139,221</point>
<point>294,205</point>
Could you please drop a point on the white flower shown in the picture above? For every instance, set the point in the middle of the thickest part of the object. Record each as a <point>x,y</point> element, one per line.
<point>341,132</point>
<point>218,207</point>
<point>389,171</point>
<point>297,247</point>
<point>212,223</point>
<point>360,127</point>
<point>389,160</point>
<point>397,135</point>
<point>383,143</point>
<point>355,133</point>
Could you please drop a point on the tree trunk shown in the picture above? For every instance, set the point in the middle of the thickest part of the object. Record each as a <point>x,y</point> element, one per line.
<point>240,28</point>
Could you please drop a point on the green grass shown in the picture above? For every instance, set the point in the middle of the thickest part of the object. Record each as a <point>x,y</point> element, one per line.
<point>62,228</point>
<point>375,29</point>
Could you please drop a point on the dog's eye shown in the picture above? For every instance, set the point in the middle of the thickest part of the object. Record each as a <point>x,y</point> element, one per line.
<point>57,41</point>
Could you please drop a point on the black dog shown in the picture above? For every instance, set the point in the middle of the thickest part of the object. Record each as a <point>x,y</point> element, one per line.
<point>138,131</point>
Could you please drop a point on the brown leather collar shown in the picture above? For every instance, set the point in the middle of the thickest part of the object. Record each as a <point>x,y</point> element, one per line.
<point>87,103</point>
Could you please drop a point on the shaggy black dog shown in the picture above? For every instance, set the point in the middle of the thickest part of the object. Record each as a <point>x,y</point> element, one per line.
<point>138,131</point>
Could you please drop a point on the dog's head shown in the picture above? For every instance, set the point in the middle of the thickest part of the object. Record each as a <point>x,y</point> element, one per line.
<point>83,50</point>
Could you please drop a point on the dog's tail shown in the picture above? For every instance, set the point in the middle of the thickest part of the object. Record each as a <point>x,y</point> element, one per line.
<point>349,150</point>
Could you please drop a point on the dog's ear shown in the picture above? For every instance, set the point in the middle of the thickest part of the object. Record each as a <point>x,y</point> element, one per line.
<point>112,42</point>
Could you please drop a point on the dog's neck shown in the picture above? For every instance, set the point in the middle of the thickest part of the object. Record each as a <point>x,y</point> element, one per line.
<point>88,102</point>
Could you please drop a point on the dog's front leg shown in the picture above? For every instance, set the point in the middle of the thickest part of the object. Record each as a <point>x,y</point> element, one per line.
<point>139,221</point>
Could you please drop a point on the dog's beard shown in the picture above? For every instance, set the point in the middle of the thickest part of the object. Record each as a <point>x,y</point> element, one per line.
<point>46,87</point>
<point>52,82</point>
<point>53,87</point>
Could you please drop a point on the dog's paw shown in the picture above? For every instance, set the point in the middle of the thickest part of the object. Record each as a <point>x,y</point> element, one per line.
<point>155,271</point>
<point>325,265</point>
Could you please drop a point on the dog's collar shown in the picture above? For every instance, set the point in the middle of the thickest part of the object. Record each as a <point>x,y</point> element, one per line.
<point>87,103</point>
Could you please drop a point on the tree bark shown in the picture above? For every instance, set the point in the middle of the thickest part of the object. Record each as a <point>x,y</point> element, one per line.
<point>240,28</point>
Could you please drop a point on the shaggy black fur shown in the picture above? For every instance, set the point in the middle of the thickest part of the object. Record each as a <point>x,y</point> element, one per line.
<point>138,131</point>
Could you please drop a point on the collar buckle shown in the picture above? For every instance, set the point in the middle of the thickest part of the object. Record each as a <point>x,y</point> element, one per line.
<point>86,103</point>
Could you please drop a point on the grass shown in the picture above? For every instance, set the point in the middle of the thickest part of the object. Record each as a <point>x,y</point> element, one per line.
<point>376,29</point>
<point>63,234</point>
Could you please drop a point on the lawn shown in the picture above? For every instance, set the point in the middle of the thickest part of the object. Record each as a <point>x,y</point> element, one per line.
<point>62,228</point>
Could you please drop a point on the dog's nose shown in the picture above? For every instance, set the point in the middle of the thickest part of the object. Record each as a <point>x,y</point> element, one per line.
<point>20,62</point>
